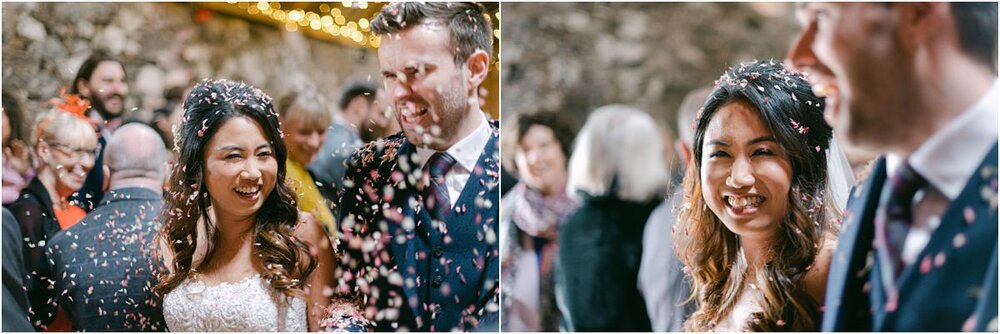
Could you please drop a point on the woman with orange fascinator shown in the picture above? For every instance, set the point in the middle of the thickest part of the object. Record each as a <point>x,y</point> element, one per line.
<point>63,142</point>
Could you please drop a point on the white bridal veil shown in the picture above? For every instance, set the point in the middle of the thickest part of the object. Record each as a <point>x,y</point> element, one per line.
<point>840,176</point>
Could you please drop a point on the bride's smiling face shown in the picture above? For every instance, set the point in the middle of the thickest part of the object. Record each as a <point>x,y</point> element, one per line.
<point>240,168</point>
<point>745,173</point>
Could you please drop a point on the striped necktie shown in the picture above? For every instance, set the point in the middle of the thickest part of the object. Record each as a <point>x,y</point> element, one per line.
<point>436,196</point>
<point>895,216</point>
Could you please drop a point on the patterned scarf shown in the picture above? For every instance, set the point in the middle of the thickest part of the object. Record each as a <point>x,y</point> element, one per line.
<point>537,215</point>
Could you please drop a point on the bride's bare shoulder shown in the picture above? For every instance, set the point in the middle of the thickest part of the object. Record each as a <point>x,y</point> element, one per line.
<point>165,253</point>
<point>816,276</point>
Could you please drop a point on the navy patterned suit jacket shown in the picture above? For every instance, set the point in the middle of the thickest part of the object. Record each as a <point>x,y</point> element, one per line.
<point>953,284</point>
<point>103,269</point>
<point>411,272</point>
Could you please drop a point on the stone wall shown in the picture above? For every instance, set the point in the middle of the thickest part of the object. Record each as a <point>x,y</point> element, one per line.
<point>574,57</point>
<point>165,45</point>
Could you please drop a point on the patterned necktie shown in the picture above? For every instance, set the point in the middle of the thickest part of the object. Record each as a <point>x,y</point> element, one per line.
<point>436,196</point>
<point>895,217</point>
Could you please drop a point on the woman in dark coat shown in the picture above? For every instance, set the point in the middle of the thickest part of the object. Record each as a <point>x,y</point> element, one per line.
<point>618,172</point>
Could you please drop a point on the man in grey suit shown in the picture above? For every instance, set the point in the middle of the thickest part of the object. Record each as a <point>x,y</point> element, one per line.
<point>103,268</point>
<point>357,105</point>
<point>661,277</point>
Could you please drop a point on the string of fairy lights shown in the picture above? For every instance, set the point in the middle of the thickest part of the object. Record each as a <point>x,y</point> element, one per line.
<point>330,19</point>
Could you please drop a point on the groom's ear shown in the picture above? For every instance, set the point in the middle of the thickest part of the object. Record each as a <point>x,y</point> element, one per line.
<point>478,64</point>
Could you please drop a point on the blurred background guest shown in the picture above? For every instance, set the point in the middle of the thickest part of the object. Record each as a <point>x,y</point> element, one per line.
<point>16,155</point>
<point>532,214</point>
<point>65,145</point>
<point>617,170</point>
<point>382,122</point>
<point>357,103</point>
<point>102,81</point>
<point>304,117</point>
<point>15,300</point>
<point>169,114</point>
<point>661,278</point>
<point>103,268</point>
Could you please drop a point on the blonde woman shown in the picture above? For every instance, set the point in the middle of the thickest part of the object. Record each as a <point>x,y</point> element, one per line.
<point>304,119</point>
<point>64,147</point>
<point>617,171</point>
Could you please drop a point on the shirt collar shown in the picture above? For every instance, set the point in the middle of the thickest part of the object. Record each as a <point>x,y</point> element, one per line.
<point>466,151</point>
<point>951,155</point>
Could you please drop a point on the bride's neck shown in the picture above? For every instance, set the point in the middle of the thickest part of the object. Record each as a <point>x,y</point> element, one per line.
<point>235,243</point>
<point>755,251</point>
<point>234,230</point>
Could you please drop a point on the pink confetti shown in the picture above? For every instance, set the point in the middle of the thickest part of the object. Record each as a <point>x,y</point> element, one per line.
<point>969,324</point>
<point>959,240</point>
<point>939,259</point>
<point>892,303</point>
<point>925,265</point>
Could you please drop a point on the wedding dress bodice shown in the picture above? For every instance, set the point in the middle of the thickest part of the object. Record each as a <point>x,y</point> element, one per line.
<point>739,317</point>
<point>249,305</point>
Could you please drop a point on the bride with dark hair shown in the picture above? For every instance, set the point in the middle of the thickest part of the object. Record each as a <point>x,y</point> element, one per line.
<point>239,256</point>
<point>758,226</point>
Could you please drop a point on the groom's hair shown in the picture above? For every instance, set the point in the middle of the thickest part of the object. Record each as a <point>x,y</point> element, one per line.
<point>977,30</point>
<point>469,25</point>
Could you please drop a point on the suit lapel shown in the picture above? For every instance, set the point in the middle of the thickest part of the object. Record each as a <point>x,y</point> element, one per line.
<point>405,226</point>
<point>972,214</point>
<point>847,304</point>
<point>483,179</point>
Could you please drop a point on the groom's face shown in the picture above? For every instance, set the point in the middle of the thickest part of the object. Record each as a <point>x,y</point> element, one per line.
<point>852,55</point>
<point>429,91</point>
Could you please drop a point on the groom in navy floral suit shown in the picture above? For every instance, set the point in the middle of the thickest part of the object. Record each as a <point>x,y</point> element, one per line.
<point>418,239</point>
<point>918,83</point>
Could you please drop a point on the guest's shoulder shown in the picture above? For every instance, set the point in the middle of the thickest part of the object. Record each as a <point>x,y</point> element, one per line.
<point>85,231</point>
<point>26,199</point>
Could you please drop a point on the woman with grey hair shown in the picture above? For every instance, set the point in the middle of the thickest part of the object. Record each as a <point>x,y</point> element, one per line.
<point>617,171</point>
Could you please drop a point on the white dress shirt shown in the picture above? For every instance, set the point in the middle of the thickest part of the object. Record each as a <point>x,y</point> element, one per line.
<point>947,160</point>
<point>466,153</point>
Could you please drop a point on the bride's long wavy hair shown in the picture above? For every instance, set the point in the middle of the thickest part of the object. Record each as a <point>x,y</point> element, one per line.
<point>711,252</point>
<point>287,260</point>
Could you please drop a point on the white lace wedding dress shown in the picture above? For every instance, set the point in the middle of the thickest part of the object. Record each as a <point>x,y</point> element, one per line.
<point>740,316</point>
<point>250,305</point>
